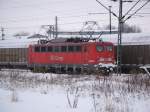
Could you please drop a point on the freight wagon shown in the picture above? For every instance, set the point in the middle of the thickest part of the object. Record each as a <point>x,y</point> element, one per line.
<point>13,57</point>
<point>135,50</point>
<point>14,52</point>
<point>134,56</point>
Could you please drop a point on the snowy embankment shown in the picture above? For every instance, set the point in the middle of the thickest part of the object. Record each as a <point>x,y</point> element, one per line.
<point>28,92</point>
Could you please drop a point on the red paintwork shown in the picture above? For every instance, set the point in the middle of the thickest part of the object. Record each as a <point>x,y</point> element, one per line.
<point>91,56</point>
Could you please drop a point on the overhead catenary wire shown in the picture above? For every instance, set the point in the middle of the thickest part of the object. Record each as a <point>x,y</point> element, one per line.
<point>97,13</point>
<point>12,28</point>
<point>18,5</point>
<point>22,6</point>
<point>65,23</point>
<point>29,26</point>
<point>144,13</point>
<point>53,12</point>
<point>107,8</point>
<point>25,20</point>
<point>41,18</point>
<point>136,11</point>
<point>131,8</point>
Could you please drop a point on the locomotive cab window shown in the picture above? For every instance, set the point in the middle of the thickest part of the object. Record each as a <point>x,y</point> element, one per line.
<point>99,48</point>
<point>37,49</point>
<point>70,48</point>
<point>109,48</point>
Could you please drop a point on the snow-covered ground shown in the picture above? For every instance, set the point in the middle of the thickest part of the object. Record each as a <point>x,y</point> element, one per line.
<point>23,91</point>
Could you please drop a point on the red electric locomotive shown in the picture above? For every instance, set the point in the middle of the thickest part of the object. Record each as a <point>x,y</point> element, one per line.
<point>70,55</point>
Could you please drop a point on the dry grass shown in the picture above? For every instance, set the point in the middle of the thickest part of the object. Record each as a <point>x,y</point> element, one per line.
<point>108,93</point>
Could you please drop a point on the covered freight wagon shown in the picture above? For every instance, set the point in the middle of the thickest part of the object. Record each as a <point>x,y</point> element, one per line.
<point>135,49</point>
<point>14,52</point>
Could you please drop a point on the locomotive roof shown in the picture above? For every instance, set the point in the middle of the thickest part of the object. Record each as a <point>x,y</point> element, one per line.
<point>74,40</point>
<point>71,41</point>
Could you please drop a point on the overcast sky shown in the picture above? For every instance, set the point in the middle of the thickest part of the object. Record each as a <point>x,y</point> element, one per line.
<point>29,15</point>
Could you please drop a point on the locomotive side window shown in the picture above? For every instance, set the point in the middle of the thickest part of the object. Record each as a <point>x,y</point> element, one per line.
<point>37,49</point>
<point>43,49</point>
<point>56,49</point>
<point>77,48</point>
<point>49,49</point>
<point>109,48</point>
<point>99,48</point>
<point>70,48</point>
<point>63,48</point>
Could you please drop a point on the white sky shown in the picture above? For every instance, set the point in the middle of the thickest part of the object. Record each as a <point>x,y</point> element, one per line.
<point>29,15</point>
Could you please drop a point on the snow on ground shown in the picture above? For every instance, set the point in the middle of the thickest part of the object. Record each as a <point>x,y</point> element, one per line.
<point>24,91</point>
